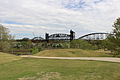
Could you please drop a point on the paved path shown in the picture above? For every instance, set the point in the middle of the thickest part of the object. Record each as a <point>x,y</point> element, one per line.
<point>110,59</point>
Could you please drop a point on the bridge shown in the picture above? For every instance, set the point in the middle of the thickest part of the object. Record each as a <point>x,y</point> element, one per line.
<point>60,36</point>
<point>94,36</point>
<point>69,37</point>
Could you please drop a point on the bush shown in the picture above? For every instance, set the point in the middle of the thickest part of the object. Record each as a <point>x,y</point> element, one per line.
<point>81,44</point>
<point>36,50</point>
<point>5,46</point>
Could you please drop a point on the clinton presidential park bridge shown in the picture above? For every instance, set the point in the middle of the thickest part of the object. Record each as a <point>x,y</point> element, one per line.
<point>68,37</point>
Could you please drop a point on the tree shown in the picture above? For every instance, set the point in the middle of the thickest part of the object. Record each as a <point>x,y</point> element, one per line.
<point>113,40</point>
<point>4,39</point>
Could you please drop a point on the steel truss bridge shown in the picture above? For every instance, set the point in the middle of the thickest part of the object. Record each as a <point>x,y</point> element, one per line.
<point>59,36</point>
<point>94,36</point>
<point>70,37</point>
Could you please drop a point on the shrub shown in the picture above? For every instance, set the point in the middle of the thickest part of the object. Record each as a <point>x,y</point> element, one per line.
<point>82,44</point>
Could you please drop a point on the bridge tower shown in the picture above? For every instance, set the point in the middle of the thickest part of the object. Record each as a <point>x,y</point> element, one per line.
<point>72,35</point>
<point>47,37</point>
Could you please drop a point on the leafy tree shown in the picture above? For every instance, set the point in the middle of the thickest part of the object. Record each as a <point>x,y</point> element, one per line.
<point>113,40</point>
<point>5,38</point>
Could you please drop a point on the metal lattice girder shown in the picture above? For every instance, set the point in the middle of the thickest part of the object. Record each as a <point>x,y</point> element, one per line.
<point>59,36</point>
<point>38,38</point>
<point>94,36</point>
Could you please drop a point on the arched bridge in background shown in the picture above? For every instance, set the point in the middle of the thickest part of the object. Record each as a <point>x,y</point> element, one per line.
<point>68,37</point>
<point>94,36</point>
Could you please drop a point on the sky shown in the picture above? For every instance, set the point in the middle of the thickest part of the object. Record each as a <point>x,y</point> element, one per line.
<point>29,18</point>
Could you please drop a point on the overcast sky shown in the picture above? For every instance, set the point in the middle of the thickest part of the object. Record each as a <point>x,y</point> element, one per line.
<point>29,18</point>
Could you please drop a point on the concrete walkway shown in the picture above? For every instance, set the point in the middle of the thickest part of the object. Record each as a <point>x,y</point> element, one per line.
<point>110,59</point>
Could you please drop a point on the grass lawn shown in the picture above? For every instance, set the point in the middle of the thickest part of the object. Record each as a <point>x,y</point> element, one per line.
<point>45,69</point>
<point>4,58</point>
<point>73,53</point>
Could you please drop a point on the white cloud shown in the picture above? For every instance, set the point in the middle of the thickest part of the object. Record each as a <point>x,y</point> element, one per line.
<point>41,16</point>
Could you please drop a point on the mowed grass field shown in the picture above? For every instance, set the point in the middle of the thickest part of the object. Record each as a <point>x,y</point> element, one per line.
<point>17,68</point>
<point>74,53</point>
<point>7,58</point>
